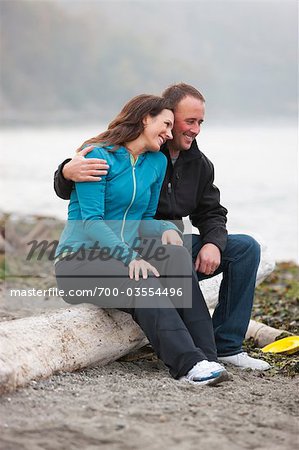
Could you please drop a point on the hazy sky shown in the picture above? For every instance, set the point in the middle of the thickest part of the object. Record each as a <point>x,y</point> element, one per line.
<point>79,56</point>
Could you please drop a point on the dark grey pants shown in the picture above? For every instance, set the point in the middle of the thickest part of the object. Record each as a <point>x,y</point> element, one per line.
<point>179,330</point>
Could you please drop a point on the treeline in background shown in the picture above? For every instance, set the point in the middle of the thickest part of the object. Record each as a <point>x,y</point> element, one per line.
<point>78,60</point>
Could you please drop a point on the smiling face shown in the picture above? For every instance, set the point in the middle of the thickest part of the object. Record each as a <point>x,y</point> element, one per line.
<point>188,117</point>
<point>157,130</point>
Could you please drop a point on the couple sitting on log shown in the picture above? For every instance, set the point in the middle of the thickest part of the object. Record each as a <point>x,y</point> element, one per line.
<point>129,188</point>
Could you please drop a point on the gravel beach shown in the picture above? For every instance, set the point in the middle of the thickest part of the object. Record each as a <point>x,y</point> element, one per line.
<point>133,405</point>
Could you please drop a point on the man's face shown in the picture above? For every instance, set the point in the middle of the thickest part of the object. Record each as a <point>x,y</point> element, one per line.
<point>188,117</point>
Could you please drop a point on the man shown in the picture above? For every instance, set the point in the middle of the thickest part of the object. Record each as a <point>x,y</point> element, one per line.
<point>188,190</point>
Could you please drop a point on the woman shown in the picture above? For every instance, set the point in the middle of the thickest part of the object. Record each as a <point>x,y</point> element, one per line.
<point>105,244</point>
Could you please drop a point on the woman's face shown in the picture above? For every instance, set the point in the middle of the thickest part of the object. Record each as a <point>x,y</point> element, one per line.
<point>157,130</point>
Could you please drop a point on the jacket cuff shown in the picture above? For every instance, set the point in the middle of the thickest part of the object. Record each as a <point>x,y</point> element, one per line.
<point>167,225</point>
<point>60,169</point>
<point>62,187</point>
<point>220,243</point>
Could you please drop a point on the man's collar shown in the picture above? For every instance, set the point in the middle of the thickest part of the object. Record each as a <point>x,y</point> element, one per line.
<point>184,155</point>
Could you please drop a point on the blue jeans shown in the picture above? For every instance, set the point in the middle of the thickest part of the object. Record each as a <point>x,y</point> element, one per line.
<point>239,264</point>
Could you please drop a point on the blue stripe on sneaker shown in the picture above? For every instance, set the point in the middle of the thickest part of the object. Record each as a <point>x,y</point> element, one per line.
<point>210,377</point>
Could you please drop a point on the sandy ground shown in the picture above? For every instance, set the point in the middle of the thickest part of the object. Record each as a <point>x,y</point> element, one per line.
<point>133,405</point>
<point>137,405</point>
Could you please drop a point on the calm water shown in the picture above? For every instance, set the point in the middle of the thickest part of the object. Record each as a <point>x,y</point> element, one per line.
<point>255,168</point>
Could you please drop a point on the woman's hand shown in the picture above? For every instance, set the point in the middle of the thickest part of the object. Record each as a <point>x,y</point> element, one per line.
<point>171,237</point>
<point>136,266</point>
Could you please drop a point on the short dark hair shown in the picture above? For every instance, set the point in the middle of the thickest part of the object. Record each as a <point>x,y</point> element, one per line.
<point>176,92</point>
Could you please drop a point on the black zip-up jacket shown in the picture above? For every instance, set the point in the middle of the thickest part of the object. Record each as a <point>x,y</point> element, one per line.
<point>188,190</point>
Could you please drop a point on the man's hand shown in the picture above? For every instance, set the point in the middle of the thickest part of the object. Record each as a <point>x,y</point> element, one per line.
<point>171,237</point>
<point>85,169</point>
<point>137,266</point>
<point>208,259</point>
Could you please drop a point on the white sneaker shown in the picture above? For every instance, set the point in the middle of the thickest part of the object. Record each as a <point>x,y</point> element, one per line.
<point>206,372</point>
<point>244,361</point>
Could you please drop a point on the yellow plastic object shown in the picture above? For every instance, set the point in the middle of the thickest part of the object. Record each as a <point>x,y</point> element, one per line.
<point>287,345</point>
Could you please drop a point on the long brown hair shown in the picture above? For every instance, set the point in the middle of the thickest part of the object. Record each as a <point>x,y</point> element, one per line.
<point>128,124</point>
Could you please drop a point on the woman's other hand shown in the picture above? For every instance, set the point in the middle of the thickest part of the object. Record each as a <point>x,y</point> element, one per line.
<point>171,237</point>
<point>137,266</point>
<point>85,169</point>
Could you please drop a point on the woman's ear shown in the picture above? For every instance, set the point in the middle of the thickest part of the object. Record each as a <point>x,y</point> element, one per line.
<point>145,120</point>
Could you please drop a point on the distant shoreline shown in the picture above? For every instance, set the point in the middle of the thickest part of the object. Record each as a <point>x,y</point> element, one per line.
<point>30,219</point>
<point>69,118</point>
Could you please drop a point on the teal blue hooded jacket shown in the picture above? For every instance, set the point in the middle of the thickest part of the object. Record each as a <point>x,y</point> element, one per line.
<point>116,211</point>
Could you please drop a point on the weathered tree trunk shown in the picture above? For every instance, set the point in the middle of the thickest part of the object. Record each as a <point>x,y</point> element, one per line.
<point>262,334</point>
<point>64,340</point>
<point>73,338</point>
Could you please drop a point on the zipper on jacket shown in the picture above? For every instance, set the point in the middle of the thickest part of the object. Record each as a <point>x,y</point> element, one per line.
<point>133,163</point>
<point>169,191</point>
<point>171,186</point>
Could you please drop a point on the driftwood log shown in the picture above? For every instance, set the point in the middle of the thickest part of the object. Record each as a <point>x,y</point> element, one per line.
<point>73,338</point>
<point>263,334</point>
<point>64,340</point>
